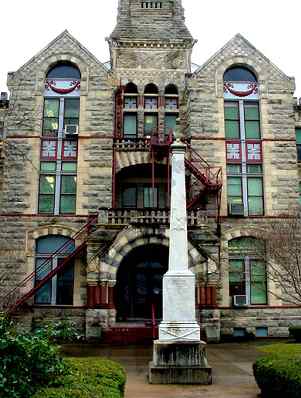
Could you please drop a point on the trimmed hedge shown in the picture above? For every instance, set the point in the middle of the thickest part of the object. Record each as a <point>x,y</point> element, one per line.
<point>88,378</point>
<point>278,374</point>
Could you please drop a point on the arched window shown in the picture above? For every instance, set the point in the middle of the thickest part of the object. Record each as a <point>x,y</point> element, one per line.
<point>239,74</point>
<point>58,168</point>
<point>130,115</point>
<point>247,271</point>
<point>150,110</point>
<point>171,109</point>
<point>244,146</point>
<point>64,70</point>
<point>59,290</point>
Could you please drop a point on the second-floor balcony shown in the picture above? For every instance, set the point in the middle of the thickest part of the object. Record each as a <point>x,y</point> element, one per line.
<point>148,217</point>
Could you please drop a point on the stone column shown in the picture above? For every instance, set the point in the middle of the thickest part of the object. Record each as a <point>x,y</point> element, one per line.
<point>179,356</point>
<point>179,314</point>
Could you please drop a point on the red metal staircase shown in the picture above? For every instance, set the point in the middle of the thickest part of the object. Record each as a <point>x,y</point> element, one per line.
<point>16,297</point>
<point>208,178</point>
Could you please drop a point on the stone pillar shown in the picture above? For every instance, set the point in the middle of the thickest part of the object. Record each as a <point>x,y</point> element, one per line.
<point>179,356</point>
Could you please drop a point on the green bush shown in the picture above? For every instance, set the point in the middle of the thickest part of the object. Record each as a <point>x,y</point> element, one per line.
<point>278,373</point>
<point>27,362</point>
<point>88,378</point>
<point>295,332</point>
<point>58,332</point>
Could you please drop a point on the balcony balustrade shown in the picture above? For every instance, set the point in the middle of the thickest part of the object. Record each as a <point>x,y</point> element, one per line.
<point>121,217</point>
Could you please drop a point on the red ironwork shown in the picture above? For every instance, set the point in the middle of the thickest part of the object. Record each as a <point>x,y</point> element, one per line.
<point>20,298</point>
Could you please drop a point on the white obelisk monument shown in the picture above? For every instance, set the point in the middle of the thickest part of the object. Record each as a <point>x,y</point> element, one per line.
<point>179,356</point>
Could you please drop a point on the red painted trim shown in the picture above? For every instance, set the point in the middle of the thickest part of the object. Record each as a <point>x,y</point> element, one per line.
<point>49,158</point>
<point>63,150</point>
<point>260,161</point>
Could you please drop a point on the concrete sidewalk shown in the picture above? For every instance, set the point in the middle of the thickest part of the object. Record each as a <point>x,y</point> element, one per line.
<point>231,363</point>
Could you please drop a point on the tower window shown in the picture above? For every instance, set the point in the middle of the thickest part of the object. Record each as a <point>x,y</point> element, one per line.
<point>151,4</point>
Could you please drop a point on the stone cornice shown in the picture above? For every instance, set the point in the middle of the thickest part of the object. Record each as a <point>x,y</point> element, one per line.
<point>176,44</point>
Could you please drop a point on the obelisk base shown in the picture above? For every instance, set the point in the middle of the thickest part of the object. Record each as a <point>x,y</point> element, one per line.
<point>179,363</point>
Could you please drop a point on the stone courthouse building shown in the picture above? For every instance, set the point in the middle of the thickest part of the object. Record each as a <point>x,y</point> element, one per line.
<point>85,178</point>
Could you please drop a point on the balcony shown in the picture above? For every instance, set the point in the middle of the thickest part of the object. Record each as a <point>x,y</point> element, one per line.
<point>142,217</point>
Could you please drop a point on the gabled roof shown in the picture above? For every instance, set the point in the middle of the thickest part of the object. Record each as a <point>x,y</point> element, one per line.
<point>239,46</point>
<point>63,43</point>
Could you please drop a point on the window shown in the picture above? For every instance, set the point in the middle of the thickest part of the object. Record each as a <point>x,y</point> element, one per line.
<point>298,141</point>
<point>150,124</point>
<point>247,270</point>
<point>151,4</point>
<point>171,109</point>
<point>130,126</point>
<point>142,196</point>
<point>300,193</point>
<point>243,143</point>
<point>59,290</point>
<point>170,124</point>
<point>58,166</point>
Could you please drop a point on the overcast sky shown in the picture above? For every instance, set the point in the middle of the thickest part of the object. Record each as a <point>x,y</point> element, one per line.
<point>273,27</point>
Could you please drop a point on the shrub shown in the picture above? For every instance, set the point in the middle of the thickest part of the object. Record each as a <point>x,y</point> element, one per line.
<point>88,378</point>
<point>295,332</point>
<point>27,362</point>
<point>58,332</point>
<point>278,374</point>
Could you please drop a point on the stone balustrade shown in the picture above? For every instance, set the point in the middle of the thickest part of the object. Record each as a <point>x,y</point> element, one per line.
<point>196,218</point>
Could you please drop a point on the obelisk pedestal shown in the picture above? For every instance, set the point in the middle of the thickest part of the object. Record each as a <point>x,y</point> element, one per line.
<point>179,356</point>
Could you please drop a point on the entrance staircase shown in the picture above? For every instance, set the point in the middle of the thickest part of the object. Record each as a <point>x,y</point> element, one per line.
<point>28,287</point>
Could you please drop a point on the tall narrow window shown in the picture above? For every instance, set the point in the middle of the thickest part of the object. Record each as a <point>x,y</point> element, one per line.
<point>243,143</point>
<point>58,290</point>
<point>171,109</point>
<point>247,271</point>
<point>151,110</point>
<point>298,141</point>
<point>58,167</point>
<point>130,105</point>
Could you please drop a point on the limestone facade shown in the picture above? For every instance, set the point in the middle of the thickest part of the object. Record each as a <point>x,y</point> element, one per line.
<point>148,45</point>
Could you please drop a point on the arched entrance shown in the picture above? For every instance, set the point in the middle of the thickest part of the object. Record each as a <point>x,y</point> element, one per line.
<point>138,291</point>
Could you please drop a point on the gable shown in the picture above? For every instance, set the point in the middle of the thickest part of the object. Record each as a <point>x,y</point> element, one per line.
<point>240,51</point>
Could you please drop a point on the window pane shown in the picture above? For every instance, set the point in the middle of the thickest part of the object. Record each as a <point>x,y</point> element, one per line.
<point>69,184</point>
<point>298,136</point>
<point>234,186</point>
<point>43,295</point>
<point>48,167</point>
<point>300,193</point>
<point>299,152</point>
<point>231,111</point>
<point>255,187</point>
<point>151,103</point>
<point>233,169</point>
<point>51,108</point>
<point>254,169</point>
<point>232,129</point>
<point>258,271</point>
<point>252,129</point>
<point>130,126</point>
<point>46,203</point>
<point>72,108</point>
<point>150,196</point>
<point>51,124</point>
<point>129,197</point>
<point>171,103</point>
<point>130,102</point>
<point>255,206</point>
<point>237,277</point>
<point>65,282</point>
<point>68,204</point>
<point>258,293</point>
<point>47,184</point>
<point>170,123</point>
<point>251,112</point>
<point>43,267</point>
<point>150,124</point>
<point>69,167</point>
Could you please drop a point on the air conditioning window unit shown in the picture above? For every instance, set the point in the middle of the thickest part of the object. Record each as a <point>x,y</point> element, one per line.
<point>240,301</point>
<point>236,209</point>
<point>71,129</point>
